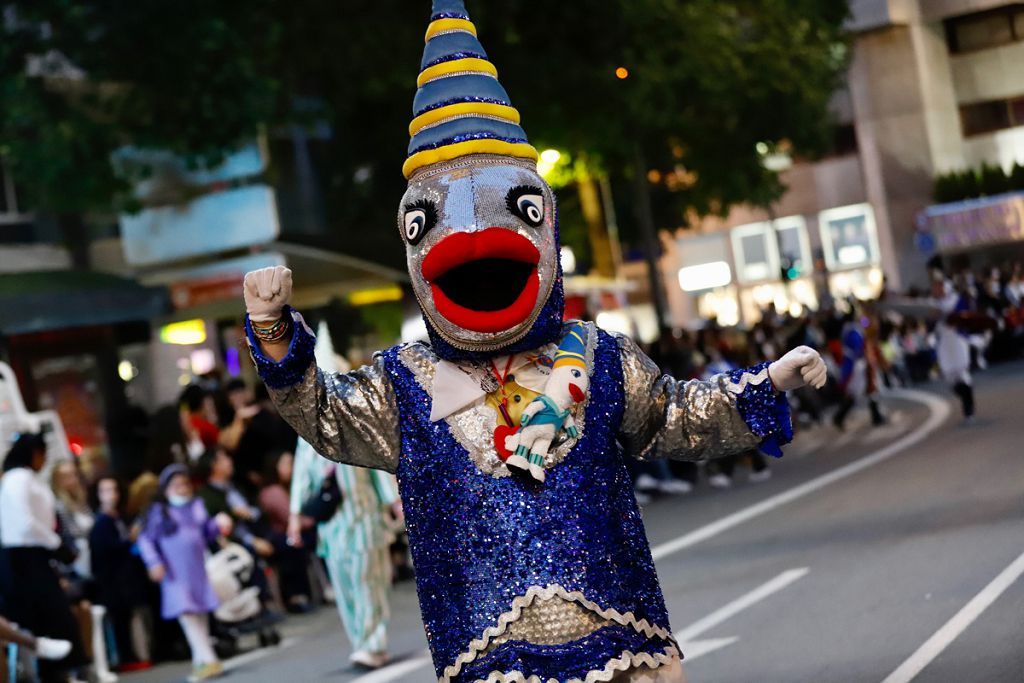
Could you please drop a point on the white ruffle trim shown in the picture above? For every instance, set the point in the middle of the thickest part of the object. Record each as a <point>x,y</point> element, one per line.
<point>747,378</point>
<point>627,660</point>
<point>546,593</point>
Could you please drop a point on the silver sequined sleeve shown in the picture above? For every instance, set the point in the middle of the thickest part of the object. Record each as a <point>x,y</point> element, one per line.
<point>350,418</point>
<point>668,418</point>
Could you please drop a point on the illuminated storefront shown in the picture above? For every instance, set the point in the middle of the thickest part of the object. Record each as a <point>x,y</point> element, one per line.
<point>849,242</point>
<point>734,277</point>
<point>773,266</point>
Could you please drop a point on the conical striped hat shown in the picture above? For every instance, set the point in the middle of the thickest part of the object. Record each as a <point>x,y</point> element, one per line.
<point>460,107</point>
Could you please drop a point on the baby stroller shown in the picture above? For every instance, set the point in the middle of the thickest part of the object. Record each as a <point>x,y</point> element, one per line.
<point>241,611</point>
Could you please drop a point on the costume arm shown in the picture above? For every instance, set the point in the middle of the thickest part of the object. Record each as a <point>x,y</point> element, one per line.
<point>691,420</point>
<point>350,418</point>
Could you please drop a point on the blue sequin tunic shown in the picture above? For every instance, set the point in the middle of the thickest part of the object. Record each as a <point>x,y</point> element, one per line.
<point>518,578</point>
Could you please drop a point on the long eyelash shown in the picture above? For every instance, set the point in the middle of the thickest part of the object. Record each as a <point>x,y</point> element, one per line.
<point>516,192</point>
<point>428,208</point>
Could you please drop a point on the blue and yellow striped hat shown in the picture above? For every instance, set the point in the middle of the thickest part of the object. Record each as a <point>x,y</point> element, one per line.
<point>460,107</point>
<point>573,348</point>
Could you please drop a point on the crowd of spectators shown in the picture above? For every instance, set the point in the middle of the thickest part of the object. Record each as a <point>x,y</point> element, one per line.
<point>892,341</point>
<point>216,469</point>
<point>132,585</point>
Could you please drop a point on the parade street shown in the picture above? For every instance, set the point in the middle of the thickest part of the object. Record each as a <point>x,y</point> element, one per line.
<point>875,554</point>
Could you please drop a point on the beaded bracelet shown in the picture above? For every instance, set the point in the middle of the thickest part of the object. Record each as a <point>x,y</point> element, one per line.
<point>276,332</point>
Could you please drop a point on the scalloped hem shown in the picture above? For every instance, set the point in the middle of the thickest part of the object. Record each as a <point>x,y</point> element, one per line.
<point>534,592</point>
<point>627,660</point>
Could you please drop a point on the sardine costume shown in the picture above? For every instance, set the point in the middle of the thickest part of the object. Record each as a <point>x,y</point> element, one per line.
<point>518,579</point>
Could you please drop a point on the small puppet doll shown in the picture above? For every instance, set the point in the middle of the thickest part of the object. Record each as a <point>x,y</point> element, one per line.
<point>516,582</point>
<point>551,412</point>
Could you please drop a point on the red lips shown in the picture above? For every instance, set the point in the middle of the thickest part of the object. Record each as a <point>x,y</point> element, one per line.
<point>483,281</point>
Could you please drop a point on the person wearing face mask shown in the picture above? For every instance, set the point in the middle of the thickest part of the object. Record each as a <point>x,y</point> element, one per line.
<point>173,542</point>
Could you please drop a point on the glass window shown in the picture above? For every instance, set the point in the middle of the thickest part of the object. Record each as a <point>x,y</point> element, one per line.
<point>1017,109</point>
<point>981,31</point>
<point>791,247</point>
<point>848,236</point>
<point>983,117</point>
<point>755,256</point>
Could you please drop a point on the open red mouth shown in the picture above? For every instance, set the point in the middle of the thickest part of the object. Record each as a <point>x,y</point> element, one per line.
<point>483,281</point>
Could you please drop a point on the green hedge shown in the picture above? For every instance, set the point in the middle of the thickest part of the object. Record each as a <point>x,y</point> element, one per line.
<point>989,179</point>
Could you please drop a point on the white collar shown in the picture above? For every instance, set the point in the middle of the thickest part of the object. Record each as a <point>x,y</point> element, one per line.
<point>459,385</point>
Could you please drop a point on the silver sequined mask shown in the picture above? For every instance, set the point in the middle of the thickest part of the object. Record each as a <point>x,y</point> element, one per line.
<point>480,245</point>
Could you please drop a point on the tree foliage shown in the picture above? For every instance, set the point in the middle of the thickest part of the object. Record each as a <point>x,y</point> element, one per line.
<point>708,80</point>
<point>78,80</point>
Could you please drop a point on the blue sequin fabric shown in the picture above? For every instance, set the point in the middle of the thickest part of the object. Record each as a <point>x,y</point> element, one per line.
<point>458,100</point>
<point>464,54</point>
<point>291,368</point>
<point>765,410</point>
<point>465,137</point>
<point>479,542</point>
<point>449,15</point>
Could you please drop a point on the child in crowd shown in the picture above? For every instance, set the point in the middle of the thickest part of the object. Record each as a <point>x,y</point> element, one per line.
<point>173,546</point>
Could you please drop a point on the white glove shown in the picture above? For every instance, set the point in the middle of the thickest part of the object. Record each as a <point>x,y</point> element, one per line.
<point>800,366</point>
<point>266,292</point>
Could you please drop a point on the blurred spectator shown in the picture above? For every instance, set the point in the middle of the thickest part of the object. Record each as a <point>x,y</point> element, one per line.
<point>239,409</point>
<point>32,594</point>
<point>173,544</point>
<point>856,378</point>
<point>75,520</point>
<point>42,647</point>
<point>219,495</point>
<point>291,560</point>
<point>200,417</point>
<point>73,511</point>
<point>266,433</point>
<point>120,576</point>
<point>954,357</point>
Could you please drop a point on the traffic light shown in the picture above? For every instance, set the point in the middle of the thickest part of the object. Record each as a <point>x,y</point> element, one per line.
<point>790,268</point>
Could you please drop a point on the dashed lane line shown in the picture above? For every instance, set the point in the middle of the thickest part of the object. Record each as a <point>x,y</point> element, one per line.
<point>949,632</point>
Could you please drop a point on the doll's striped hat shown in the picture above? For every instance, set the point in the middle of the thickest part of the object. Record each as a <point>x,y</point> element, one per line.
<point>460,107</point>
<point>573,347</point>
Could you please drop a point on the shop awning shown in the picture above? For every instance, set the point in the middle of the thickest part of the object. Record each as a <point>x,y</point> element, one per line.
<point>51,300</point>
<point>964,225</point>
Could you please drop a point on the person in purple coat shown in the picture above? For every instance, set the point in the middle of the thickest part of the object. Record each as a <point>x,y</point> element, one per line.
<point>173,546</point>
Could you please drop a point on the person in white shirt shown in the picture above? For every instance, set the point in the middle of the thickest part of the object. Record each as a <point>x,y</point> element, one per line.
<point>29,585</point>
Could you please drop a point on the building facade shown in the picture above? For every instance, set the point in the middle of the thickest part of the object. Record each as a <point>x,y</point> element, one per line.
<point>933,86</point>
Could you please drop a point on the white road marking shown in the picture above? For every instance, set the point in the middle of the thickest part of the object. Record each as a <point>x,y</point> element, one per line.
<point>395,671</point>
<point>949,632</point>
<point>694,648</point>
<point>939,409</point>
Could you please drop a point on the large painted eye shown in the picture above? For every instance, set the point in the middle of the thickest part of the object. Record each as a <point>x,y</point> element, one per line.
<point>420,216</point>
<point>527,203</point>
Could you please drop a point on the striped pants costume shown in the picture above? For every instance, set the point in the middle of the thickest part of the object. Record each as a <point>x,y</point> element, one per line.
<point>360,581</point>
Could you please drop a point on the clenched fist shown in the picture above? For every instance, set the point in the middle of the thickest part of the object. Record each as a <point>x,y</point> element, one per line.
<point>800,366</point>
<point>266,292</point>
